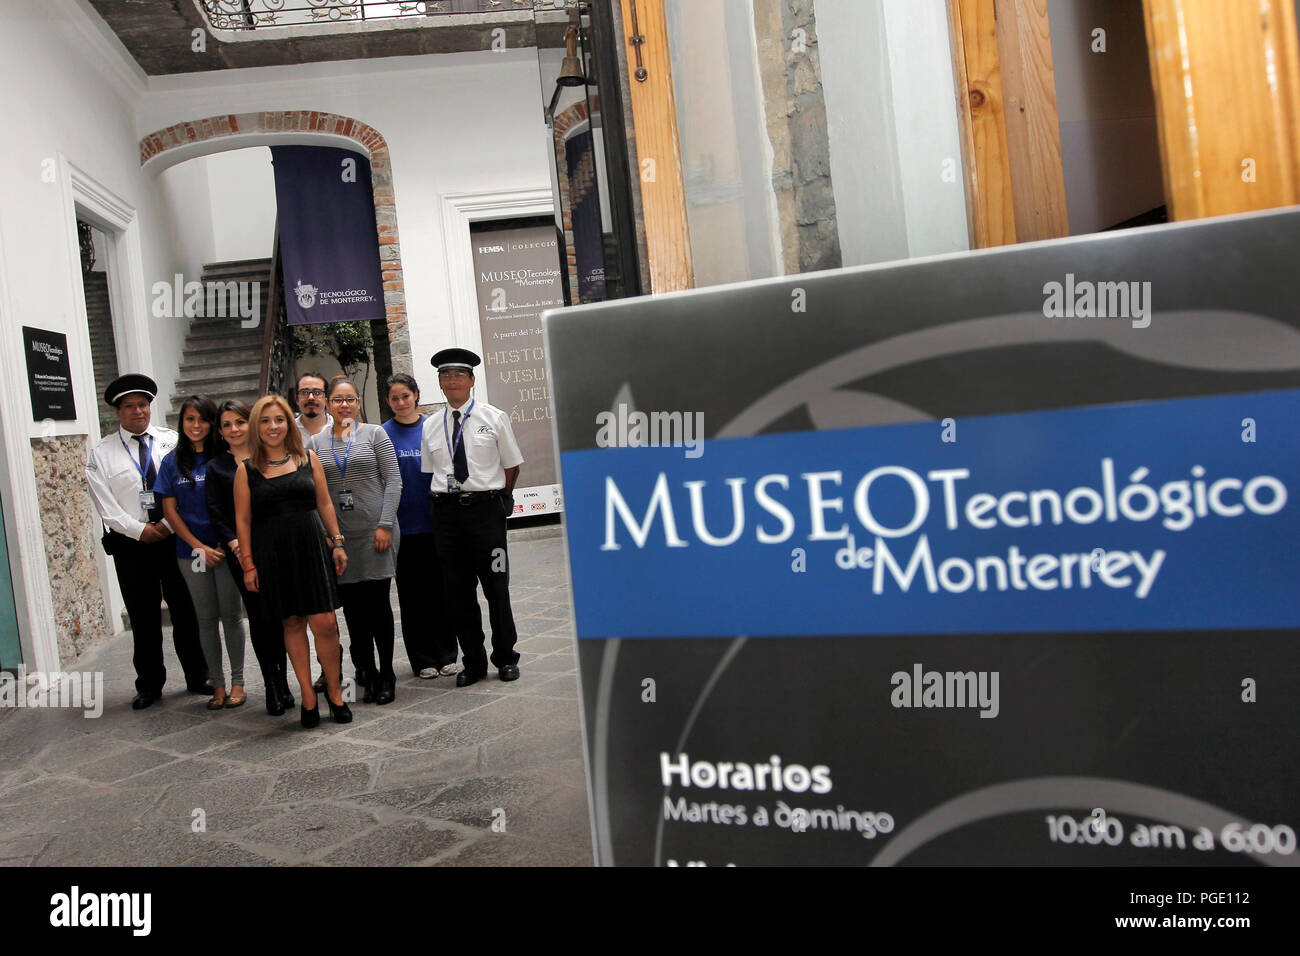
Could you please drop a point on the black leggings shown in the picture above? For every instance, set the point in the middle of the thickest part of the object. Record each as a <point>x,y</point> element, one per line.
<point>369,614</point>
<point>265,634</point>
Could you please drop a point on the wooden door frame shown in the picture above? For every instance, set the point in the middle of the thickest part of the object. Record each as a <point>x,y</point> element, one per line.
<point>1226,79</point>
<point>1008,121</point>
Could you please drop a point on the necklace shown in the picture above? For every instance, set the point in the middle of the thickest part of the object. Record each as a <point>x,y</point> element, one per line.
<point>280,462</point>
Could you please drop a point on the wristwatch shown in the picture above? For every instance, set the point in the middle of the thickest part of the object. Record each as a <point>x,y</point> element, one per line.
<point>337,540</point>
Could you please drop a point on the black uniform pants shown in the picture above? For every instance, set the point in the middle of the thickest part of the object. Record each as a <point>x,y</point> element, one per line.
<point>266,634</point>
<point>427,631</point>
<point>148,575</point>
<point>471,533</point>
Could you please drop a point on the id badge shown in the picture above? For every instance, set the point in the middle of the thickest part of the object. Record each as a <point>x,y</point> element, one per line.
<point>146,500</point>
<point>345,501</point>
<point>453,486</point>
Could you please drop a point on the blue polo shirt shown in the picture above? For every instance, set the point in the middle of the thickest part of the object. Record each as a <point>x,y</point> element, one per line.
<point>413,508</point>
<point>191,500</point>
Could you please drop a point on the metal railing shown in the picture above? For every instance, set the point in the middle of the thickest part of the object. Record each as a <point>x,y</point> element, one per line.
<point>276,356</point>
<point>254,14</point>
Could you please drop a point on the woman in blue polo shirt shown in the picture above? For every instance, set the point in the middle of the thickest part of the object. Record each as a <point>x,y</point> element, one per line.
<point>216,599</point>
<point>429,638</point>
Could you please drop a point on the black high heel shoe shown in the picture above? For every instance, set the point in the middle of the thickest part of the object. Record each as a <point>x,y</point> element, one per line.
<point>339,713</point>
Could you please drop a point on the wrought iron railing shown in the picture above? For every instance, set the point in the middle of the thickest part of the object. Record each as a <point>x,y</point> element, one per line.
<point>254,14</point>
<point>276,353</point>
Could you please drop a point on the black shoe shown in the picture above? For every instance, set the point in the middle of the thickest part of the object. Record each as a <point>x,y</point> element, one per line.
<point>386,689</point>
<point>509,672</point>
<point>319,686</point>
<point>311,718</point>
<point>145,700</point>
<point>465,678</point>
<point>339,713</point>
<point>274,705</point>
<point>368,681</point>
<point>206,688</point>
<point>286,695</point>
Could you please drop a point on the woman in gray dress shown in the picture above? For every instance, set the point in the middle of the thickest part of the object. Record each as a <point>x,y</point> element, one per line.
<point>365,485</point>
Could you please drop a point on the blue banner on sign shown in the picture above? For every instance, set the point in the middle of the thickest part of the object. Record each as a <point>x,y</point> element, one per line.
<point>329,247</point>
<point>1167,515</point>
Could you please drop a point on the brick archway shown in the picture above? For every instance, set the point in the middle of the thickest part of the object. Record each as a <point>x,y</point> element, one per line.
<point>184,141</point>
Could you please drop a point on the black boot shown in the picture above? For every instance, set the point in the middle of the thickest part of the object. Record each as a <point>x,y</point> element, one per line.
<point>367,681</point>
<point>286,695</point>
<point>385,689</point>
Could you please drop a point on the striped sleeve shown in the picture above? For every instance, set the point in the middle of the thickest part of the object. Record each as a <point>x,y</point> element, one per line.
<point>386,459</point>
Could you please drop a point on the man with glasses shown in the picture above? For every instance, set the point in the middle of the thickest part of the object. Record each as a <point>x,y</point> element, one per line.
<point>311,400</point>
<point>473,461</point>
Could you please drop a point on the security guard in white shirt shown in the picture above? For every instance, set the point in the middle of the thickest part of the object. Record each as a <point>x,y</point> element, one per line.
<point>121,471</point>
<point>473,459</point>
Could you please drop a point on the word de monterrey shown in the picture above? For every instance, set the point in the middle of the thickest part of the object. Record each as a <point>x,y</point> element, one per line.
<point>819,497</point>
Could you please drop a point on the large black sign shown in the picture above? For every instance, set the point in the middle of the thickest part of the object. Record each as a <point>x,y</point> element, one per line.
<point>987,558</point>
<point>49,375</point>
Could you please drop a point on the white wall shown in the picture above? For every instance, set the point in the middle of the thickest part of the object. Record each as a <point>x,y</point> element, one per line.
<point>726,153</point>
<point>1110,146</point>
<point>241,194</point>
<point>219,208</point>
<point>187,215</point>
<point>891,116</point>
<point>467,122</point>
<point>68,94</point>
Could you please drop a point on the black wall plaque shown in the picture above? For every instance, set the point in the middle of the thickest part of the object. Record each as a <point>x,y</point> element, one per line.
<point>49,375</point>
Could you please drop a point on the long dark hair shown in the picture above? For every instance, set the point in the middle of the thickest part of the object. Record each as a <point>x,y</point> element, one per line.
<point>207,410</point>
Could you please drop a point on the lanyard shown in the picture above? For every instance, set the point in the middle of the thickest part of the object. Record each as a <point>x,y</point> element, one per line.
<point>147,442</point>
<point>343,468</point>
<point>460,432</point>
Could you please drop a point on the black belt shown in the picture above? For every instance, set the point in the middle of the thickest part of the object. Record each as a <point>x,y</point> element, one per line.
<point>464,497</point>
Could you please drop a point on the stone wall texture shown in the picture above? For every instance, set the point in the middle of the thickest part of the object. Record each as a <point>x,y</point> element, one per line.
<point>795,113</point>
<point>71,530</point>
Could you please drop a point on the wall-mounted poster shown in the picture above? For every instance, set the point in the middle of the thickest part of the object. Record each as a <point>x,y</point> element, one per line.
<point>49,375</point>
<point>987,558</point>
<point>517,274</point>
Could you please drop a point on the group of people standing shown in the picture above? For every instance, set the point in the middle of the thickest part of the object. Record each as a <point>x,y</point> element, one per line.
<point>309,514</point>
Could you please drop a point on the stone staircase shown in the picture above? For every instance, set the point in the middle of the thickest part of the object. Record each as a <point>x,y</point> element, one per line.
<point>222,359</point>
<point>103,349</point>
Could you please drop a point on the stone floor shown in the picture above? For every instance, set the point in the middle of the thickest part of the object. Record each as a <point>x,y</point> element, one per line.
<point>419,781</point>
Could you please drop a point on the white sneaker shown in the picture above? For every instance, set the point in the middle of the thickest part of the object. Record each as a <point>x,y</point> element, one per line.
<point>429,673</point>
<point>448,669</point>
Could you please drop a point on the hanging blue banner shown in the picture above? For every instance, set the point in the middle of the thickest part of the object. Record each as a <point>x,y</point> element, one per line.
<point>329,251</point>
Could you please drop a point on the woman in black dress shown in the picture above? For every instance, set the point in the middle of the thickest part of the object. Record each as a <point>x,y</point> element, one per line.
<point>266,633</point>
<point>282,511</point>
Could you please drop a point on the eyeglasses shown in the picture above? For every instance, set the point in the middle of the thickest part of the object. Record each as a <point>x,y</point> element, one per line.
<point>343,401</point>
<point>311,393</point>
<point>453,373</point>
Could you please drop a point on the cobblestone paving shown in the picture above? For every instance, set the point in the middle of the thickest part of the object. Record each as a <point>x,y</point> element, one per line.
<point>418,781</point>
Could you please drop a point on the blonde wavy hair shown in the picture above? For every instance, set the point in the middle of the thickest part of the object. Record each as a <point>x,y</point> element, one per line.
<point>257,456</point>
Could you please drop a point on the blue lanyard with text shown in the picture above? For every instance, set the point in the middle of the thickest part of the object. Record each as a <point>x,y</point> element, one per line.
<point>460,434</point>
<point>343,468</point>
<point>147,442</point>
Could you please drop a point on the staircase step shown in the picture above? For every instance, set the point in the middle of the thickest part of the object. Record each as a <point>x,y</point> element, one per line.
<point>217,366</point>
<point>209,350</point>
<point>218,384</point>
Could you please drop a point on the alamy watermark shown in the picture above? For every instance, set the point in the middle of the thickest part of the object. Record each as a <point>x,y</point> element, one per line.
<point>211,299</point>
<point>83,690</point>
<point>1085,299</point>
<point>633,429</point>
